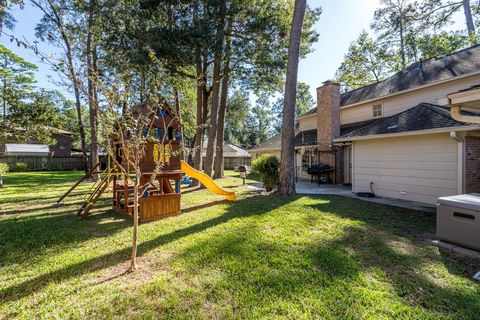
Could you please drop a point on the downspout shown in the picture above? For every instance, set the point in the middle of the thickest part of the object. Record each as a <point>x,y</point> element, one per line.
<point>454,136</point>
<point>460,160</point>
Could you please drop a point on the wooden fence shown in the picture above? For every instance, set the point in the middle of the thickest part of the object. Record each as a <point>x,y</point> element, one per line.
<point>36,163</point>
<point>230,163</point>
<point>59,163</point>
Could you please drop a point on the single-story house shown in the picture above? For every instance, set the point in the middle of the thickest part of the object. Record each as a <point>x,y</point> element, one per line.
<point>397,137</point>
<point>39,156</point>
<point>233,156</point>
<point>61,147</point>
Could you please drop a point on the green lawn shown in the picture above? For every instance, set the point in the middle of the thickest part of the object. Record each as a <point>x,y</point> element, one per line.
<point>258,257</point>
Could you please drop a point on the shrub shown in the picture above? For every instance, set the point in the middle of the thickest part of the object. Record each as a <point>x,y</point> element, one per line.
<point>266,166</point>
<point>3,168</point>
<point>3,171</point>
<point>19,167</point>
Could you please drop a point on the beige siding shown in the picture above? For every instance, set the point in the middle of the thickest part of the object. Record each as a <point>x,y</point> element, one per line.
<point>402,102</point>
<point>420,168</point>
<point>308,123</point>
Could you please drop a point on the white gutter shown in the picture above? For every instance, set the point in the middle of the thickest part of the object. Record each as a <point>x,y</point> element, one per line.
<point>456,113</point>
<point>455,101</point>
<point>409,133</point>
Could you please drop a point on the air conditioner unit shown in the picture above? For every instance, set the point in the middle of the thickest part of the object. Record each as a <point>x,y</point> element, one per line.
<point>458,220</point>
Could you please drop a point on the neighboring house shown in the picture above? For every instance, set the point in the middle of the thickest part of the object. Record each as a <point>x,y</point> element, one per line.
<point>39,156</point>
<point>396,136</point>
<point>62,146</point>
<point>233,156</point>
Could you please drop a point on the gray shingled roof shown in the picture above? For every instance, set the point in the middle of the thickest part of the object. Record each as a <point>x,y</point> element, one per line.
<point>424,116</point>
<point>272,143</point>
<point>306,138</point>
<point>418,74</point>
<point>228,148</point>
<point>309,112</point>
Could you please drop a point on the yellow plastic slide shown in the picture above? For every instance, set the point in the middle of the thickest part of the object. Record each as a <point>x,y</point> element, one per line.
<point>208,182</point>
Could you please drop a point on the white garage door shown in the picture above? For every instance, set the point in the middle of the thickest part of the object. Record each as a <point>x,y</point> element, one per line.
<point>418,168</point>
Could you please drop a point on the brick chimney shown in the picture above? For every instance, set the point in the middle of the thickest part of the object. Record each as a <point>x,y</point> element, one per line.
<point>328,113</point>
<point>328,127</point>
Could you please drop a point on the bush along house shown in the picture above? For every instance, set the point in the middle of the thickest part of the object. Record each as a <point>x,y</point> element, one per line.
<point>395,137</point>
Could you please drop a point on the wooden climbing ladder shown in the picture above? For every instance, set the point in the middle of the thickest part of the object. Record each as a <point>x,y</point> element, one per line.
<point>93,196</point>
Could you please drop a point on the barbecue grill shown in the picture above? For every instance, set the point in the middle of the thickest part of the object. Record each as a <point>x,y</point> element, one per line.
<point>321,171</point>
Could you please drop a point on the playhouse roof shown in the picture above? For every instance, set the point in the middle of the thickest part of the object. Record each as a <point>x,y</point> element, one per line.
<point>163,109</point>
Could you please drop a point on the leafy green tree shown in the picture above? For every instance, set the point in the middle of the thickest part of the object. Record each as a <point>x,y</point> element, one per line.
<point>444,43</point>
<point>33,118</point>
<point>59,26</point>
<point>394,22</point>
<point>67,118</point>
<point>6,18</point>
<point>247,125</point>
<point>16,78</point>
<point>406,32</point>
<point>23,109</point>
<point>437,14</point>
<point>304,102</point>
<point>238,107</point>
<point>365,62</point>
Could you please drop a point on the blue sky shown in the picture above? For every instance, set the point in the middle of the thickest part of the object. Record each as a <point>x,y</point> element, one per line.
<point>340,23</point>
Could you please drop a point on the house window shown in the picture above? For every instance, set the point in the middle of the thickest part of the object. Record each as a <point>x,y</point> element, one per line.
<point>377,110</point>
<point>307,160</point>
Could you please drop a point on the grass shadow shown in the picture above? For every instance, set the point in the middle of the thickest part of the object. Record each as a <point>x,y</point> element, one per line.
<point>388,246</point>
<point>204,206</point>
<point>238,209</point>
<point>37,233</point>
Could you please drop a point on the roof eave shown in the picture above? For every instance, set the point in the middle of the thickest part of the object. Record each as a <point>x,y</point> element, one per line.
<point>408,133</point>
<point>306,116</point>
<point>410,90</point>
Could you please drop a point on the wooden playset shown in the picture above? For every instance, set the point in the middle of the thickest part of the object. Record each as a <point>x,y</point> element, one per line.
<point>161,196</point>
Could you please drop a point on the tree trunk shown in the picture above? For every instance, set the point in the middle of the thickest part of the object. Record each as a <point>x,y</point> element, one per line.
<point>197,161</point>
<point>178,111</point>
<point>56,19</point>
<point>4,94</point>
<point>133,258</point>
<point>3,9</point>
<point>217,64</point>
<point>125,99</point>
<point>92,102</point>
<point>81,129</point>
<point>219,160</point>
<point>78,104</point>
<point>402,43</point>
<point>287,162</point>
<point>469,20</point>
<point>1,182</point>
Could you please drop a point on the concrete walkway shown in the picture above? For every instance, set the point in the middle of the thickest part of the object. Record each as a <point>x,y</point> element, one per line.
<point>306,187</point>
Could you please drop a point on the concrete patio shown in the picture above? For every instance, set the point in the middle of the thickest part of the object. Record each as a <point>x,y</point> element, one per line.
<point>306,187</point>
